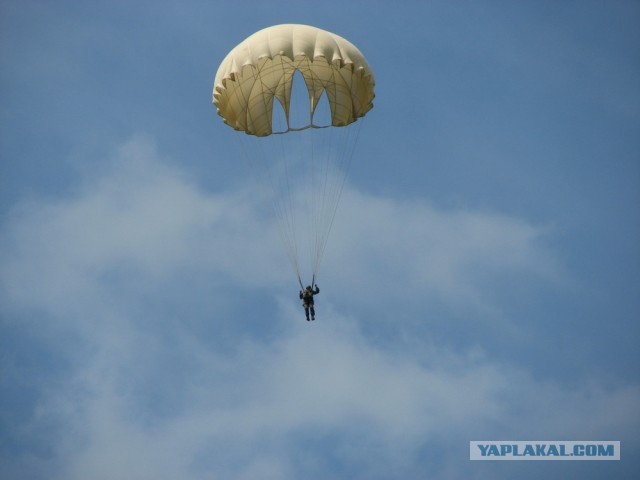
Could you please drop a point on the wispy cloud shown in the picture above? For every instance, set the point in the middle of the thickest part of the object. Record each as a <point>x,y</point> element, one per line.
<point>170,373</point>
<point>458,256</point>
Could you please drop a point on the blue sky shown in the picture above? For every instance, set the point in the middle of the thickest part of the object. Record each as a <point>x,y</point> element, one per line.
<point>481,280</point>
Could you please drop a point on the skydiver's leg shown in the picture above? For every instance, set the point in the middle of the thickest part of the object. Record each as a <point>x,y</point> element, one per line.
<point>306,311</point>
<point>313,313</point>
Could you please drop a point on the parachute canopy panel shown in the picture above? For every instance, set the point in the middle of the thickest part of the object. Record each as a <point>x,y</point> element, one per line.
<point>260,70</point>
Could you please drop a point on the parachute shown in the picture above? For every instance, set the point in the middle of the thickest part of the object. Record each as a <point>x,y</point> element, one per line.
<point>297,92</point>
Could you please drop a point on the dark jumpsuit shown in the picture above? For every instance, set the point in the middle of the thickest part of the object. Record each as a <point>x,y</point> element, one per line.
<point>307,301</point>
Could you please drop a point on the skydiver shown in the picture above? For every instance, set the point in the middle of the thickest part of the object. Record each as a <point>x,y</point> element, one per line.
<point>306,296</point>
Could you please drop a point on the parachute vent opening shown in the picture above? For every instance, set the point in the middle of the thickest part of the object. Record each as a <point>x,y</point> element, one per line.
<point>279,122</point>
<point>322,113</point>
<point>300,104</point>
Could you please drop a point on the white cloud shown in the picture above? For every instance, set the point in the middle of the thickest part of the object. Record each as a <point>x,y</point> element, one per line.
<point>143,223</point>
<point>455,254</point>
<point>169,390</point>
<point>323,391</point>
<point>142,217</point>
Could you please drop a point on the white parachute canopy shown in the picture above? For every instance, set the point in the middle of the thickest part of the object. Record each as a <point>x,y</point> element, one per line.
<point>287,87</point>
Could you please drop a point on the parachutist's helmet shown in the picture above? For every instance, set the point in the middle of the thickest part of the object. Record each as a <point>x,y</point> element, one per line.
<point>308,287</point>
